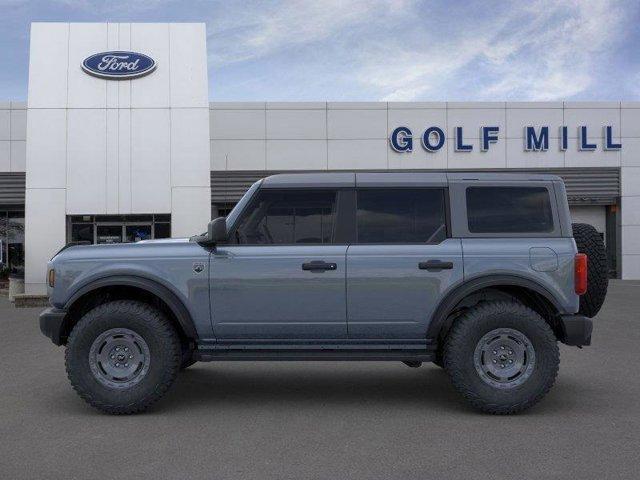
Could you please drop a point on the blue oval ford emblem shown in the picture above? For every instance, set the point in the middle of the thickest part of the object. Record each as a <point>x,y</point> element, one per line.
<point>118,65</point>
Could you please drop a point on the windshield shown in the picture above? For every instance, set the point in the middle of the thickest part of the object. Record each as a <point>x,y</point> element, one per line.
<point>233,214</point>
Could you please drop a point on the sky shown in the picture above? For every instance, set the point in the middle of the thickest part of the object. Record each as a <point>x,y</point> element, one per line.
<point>377,50</point>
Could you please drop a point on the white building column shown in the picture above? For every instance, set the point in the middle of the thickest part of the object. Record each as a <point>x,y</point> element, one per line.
<point>97,146</point>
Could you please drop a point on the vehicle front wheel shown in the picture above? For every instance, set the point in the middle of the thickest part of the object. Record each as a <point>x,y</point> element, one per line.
<point>502,357</point>
<point>122,356</point>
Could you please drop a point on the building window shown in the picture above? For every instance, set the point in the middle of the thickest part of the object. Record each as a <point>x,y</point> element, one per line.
<point>117,228</point>
<point>12,243</point>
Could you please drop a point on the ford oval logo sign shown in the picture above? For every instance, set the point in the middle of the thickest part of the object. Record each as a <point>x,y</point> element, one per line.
<point>118,65</point>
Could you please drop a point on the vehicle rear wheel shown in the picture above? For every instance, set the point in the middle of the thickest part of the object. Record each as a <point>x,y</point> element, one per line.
<point>122,356</point>
<point>502,357</point>
<point>588,241</point>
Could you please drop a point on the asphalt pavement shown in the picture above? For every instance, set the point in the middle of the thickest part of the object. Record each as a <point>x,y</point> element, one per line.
<point>321,420</point>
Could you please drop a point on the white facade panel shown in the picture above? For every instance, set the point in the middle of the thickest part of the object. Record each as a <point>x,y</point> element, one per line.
<point>111,160</point>
<point>494,157</point>
<point>238,124</point>
<point>631,239</point>
<point>18,124</point>
<point>357,124</point>
<point>48,62</point>
<point>153,90</point>
<point>518,158</point>
<point>188,54</point>
<point>86,161</point>
<point>519,118</point>
<point>85,91</point>
<point>471,119</point>
<point>18,156</point>
<point>630,181</point>
<point>598,158</point>
<point>238,155</point>
<point>47,148</point>
<point>630,153</point>
<point>150,160</point>
<point>630,214</point>
<point>190,211</point>
<point>595,215</point>
<point>630,121</point>
<point>190,164</point>
<point>5,124</point>
<point>296,124</point>
<point>124,161</point>
<point>5,156</point>
<point>418,120</point>
<point>418,158</point>
<point>592,118</point>
<point>357,154</point>
<point>44,233</point>
<point>296,155</point>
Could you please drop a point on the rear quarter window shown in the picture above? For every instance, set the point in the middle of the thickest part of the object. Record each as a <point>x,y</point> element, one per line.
<point>509,210</point>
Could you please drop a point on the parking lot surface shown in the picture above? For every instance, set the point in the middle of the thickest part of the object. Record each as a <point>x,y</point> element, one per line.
<point>325,420</point>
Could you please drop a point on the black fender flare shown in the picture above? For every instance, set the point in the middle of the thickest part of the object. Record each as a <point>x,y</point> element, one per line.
<point>460,292</point>
<point>176,305</point>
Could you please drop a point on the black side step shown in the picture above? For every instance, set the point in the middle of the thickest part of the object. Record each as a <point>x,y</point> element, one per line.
<point>311,355</point>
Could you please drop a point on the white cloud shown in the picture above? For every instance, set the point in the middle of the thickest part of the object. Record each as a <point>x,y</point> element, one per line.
<point>260,29</point>
<point>542,51</point>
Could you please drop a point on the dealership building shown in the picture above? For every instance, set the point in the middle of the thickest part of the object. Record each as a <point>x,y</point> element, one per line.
<point>117,141</point>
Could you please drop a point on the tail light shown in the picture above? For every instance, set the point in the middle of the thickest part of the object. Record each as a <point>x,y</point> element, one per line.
<point>580,279</point>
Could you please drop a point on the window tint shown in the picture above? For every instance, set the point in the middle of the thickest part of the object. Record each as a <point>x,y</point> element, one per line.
<point>288,217</point>
<point>401,216</point>
<point>509,210</point>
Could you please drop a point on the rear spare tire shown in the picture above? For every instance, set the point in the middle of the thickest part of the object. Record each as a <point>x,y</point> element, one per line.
<point>588,241</point>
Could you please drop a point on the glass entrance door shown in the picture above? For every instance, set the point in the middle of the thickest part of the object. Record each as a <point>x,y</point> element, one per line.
<point>135,233</point>
<point>108,233</point>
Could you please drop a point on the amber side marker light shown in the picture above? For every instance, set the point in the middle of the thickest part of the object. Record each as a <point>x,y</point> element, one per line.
<point>52,277</point>
<point>580,278</point>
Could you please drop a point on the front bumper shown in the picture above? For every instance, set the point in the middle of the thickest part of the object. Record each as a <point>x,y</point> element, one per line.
<point>575,330</point>
<point>52,324</point>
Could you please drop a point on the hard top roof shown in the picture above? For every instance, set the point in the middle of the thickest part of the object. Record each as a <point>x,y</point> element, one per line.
<point>390,179</point>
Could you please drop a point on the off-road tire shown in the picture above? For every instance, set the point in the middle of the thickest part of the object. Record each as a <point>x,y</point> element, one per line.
<point>588,241</point>
<point>164,356</point>
<point>467,332</point>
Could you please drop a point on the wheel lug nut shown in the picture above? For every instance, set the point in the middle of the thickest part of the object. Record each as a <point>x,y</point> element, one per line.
<point>130,356</point>
<point>510,361</point>
<point>117,364</point>
<point>126,349</point>
<point>113,356</point>
<point>126,364</point>
<point>495,352</point>
<point>495,361</point>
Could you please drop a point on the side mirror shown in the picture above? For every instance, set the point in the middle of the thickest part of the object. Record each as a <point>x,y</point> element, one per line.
<point>217,230</point>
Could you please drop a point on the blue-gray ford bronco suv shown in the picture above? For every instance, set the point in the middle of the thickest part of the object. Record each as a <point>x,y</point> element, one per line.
<point>481,273</point>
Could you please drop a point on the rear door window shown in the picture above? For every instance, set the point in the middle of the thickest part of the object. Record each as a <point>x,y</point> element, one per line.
<point>509,210</point>
<point>401,215</point>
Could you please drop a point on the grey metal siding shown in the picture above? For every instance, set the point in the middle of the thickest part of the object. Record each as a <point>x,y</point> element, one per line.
<point>585,186</point>
<point>12,189</point>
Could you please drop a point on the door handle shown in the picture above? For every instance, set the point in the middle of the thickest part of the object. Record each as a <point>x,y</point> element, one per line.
<point>435,265</point>
<point>319,266</point>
